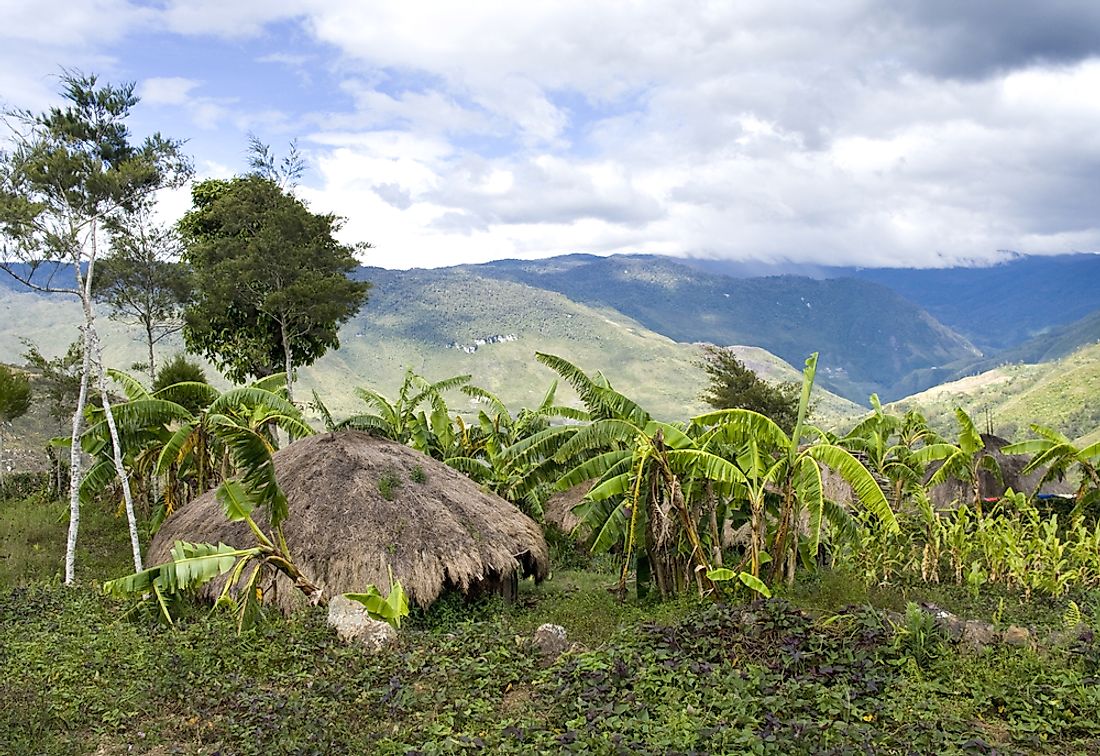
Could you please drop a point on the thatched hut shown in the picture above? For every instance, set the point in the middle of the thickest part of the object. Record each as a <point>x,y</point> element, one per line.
<point>992,487</point>
<point>558,509</point>
<point>946,495</point>
<point>361,506</point>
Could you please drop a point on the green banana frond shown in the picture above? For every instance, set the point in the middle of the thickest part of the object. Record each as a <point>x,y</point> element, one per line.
<point>735,426</point>
<point>1049,434</point>
<point>140,414</point>
<point>322,410</point>
<point>594,468</point>
<point>477,469</point>
<point>368,424</point>
<point>811,493</point>
<point>586,388</point>
<point>98,477</point>
<point>132,388</point>
<point>600,434</point>
<point>544,443</point>
<point>251,397</point>
<point>857,476</point>
<point>252,453</point>
<point>172,451</point>
<point>970,441</point>
<point>192,566</point>
<point>703,464</point>
<point>609,522</point>
<point>274,383</point>
<point>488,397</point>
<point>612,486</point>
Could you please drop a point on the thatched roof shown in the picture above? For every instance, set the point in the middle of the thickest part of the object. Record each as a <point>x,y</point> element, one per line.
<point>943,496</point>
<point>443,531</point>
<point>558,509</point>
<point>1011,465</point>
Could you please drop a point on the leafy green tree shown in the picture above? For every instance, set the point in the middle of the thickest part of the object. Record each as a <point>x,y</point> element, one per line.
<point>15,400</point>
<point>58,379</point>
<point>182,370</point>
<point>271,281</point>
<point>70,173</point>
<point>733,385</point>
<point>142,281</point>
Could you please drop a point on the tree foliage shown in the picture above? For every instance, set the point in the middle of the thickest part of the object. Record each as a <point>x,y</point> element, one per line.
<point>73,171</point>
<point>272,285</point>
<point>15,394</point>
<point>143,282</point>
<point>733,385</point>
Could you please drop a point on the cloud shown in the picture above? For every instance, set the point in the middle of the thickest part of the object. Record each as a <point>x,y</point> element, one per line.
<point>856,131</point>
<point>167,90</point>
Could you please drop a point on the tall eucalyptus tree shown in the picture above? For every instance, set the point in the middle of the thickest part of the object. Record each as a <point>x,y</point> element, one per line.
<point>71,171</point>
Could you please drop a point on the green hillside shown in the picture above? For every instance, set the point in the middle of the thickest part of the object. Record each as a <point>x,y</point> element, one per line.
<point>432,321</point>
<point>868,336</point>
<point>1053,343</point>
<point>1061,394</point>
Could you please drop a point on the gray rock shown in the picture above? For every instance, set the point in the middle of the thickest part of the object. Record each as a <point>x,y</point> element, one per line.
<point>354,625</point>
<point>977,634</point>
<point>1014,635</point>
<point>551,641</point>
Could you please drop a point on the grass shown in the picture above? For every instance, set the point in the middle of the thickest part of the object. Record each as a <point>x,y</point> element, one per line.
<point>77,677</point>
<point>32,542</point>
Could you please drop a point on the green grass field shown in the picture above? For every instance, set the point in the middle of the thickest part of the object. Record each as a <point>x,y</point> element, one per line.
<point>819,671</point>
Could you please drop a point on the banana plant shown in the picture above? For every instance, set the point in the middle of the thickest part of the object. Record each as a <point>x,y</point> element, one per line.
<point>488,451</point>
<point>405,419</point>
<point>1058,455</point>
<point>889,443</point>
<point>771,461</point>
<point>183,452</point>
<point>649,485</point>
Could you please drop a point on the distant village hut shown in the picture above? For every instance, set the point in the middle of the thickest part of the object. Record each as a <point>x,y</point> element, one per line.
<point>361,506</point>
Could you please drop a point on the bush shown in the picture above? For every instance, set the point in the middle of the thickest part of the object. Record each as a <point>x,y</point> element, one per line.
<point>21,485</point>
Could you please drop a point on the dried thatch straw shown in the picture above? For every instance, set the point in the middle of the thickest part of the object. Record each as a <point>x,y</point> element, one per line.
<point>343,532</point>
<point>946,495</point>
<point>558,510</point>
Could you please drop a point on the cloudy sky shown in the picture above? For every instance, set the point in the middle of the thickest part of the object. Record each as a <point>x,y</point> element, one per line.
<point>848,132</point>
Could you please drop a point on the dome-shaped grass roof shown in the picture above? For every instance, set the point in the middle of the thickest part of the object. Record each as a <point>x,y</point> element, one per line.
<point>361,506</point>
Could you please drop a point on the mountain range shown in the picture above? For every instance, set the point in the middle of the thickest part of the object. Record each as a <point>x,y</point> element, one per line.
<point>639,320</point>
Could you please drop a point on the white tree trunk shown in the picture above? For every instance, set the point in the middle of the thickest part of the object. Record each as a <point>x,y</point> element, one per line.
<point>74,462</point>
<point>116,449</point>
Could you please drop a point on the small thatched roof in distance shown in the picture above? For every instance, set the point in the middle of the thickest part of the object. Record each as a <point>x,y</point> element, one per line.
<point>991,487</point>
<point>441,532</point>
<point>558,510</point>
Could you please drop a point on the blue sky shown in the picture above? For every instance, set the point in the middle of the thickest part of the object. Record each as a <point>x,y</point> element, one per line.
<point>849,132</point>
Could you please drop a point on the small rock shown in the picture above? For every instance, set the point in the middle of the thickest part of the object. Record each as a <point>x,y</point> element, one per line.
<point>1014,635</point>
<point>551,641</point>
<point>353,624</point>
<point>978,634</point>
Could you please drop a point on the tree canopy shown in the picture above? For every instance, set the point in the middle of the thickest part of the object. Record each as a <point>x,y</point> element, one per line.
<point>142,282</point>
<point>15,394</point>
<point>733,385</point>
<point>272,285</point>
